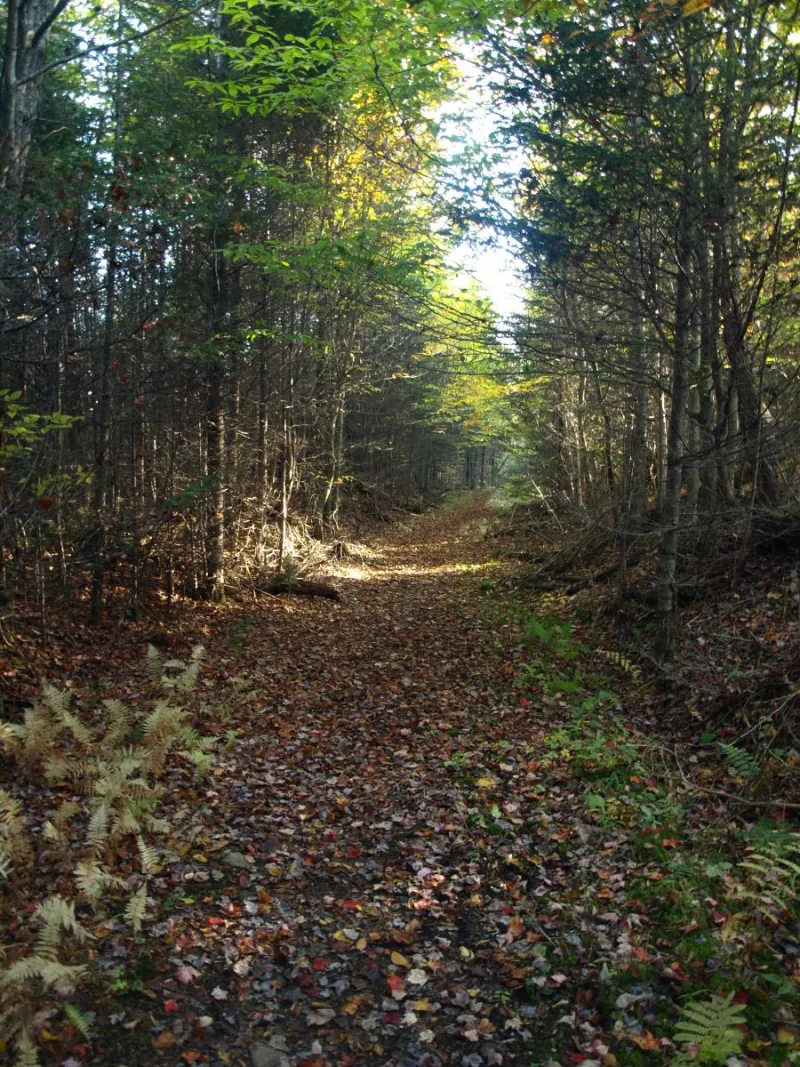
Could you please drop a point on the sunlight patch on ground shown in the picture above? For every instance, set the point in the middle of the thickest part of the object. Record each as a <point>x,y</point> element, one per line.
<point>413,570</point>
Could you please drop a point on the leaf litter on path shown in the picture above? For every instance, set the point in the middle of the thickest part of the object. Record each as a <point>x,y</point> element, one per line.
<point>378,872</point>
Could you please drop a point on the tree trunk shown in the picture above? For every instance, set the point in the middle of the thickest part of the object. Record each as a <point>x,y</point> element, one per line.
<point>668,555</point>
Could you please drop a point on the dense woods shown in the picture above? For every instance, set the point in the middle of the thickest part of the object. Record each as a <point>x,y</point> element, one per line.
<point>222,256</point>
<point>225,297</point>
<point>658,215</point>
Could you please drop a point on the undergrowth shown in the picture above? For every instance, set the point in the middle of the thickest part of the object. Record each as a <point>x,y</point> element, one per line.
<point>98,775</point>
<point>720,892</point>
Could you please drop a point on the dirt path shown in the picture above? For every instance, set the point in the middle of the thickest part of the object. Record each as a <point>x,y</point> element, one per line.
<point>341,902</point>
<point>423,843</point>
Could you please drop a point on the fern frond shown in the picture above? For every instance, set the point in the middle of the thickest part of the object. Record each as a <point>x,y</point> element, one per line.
<point>710,1025</point>
<point>620,661</point>
<point>150,857</point>
<point>119,719</point>
<point>97,832</point>
<point>202,762</point>
<point>154,662</point>
<point>21,971</point>
<point>6,864</point>
<point>163,718</point>
<point>27,1055</point>
<point>186,681</point>
<point>39,734</point>
<point>79,1020</point>
<point>51,972</point>
<point>136,909</point>
<point>56,701</point>
<point>773,873</point>
<point>741,762</point>
<point>60,768</point>
<point>82,734</point>
<point>131,760</point>
<point>68,810</point>
<point>91,879</point>
<point>11,734</point>
<point>125,822</point>
<point>158,826</point>
<point>189,736</point>
<point>56,916</point>
<point>142,791</point>
<point>10,809</point>
<point>65,976</point>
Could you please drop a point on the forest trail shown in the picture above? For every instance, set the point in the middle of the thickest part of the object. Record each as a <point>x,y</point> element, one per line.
<point>338,901</point>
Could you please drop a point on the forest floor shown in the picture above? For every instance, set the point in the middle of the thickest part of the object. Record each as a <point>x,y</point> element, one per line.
<point>427,841</point>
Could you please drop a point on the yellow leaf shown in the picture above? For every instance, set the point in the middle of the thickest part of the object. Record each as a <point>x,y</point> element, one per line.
<point>400,960</point>
<point>785,1035</point>
<point>199,857</point>
<point>485,783</point>
<point>361,944</point>
<point>647,1042</point>
<point>691,7</point>
<point>422,1005</point>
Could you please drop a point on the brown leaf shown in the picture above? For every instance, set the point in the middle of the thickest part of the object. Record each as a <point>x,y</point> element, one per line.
<point>165,1040</point>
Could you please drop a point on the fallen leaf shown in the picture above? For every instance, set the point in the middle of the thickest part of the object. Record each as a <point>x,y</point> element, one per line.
<point>165,1040</point>
<point>320,1017</point>
<point>647,1042</point>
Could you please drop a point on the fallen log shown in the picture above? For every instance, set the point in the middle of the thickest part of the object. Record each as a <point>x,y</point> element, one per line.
<point>301,587</point>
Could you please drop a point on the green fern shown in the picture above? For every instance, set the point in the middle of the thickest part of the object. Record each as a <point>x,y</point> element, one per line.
<point>773,873</point>
<point>79,1020</point>
<point>710,1028</point>
<point>742,764</point>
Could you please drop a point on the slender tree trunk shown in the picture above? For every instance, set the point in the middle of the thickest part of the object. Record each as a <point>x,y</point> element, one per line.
<point>668,554</point>
<point>284,484</point>
<point>103,375</point>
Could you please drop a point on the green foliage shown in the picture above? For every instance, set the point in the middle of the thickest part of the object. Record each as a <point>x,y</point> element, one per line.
<point>741,762</point>
<point>709,1029</point>
<point>773,874</point>
<point>79,1020</point>
<point>551,634</point>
